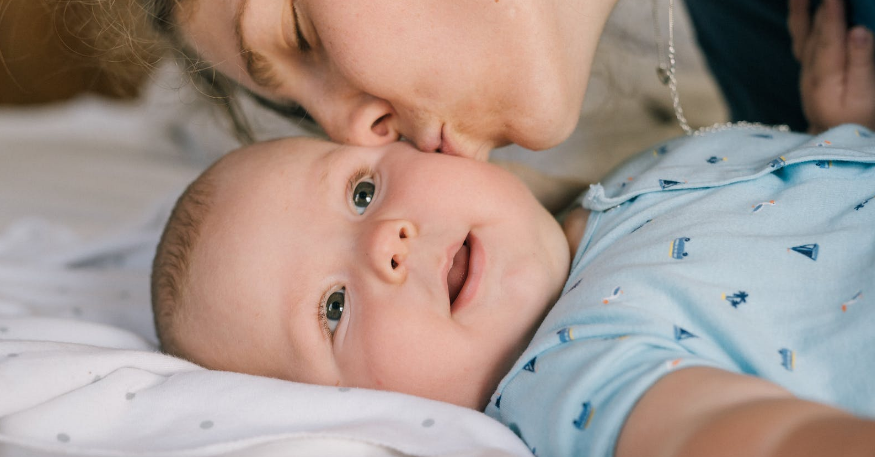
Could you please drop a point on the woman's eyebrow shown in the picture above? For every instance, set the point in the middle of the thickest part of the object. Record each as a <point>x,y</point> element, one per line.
<point>257,66</point>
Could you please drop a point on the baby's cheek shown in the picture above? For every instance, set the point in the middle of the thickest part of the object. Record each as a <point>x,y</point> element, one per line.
<point>379,358</point>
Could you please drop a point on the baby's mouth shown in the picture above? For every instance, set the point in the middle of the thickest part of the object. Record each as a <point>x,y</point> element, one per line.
<point>458,272</point>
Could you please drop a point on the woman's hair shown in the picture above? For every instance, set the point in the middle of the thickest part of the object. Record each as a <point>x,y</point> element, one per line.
<point>129,37</point>
<point>109,36</point>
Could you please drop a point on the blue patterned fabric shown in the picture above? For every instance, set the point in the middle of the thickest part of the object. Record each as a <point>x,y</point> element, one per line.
<point>748,250</point>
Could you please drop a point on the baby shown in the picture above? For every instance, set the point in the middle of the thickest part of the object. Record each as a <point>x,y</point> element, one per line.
<point>719,301</point>
<point>721,280</point>
<point>371,267</point>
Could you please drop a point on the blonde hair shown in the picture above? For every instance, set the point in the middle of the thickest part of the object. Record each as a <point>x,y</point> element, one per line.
<point>113,36</point>
<point>127,38</point>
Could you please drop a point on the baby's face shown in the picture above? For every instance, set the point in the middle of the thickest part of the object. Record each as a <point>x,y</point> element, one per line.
<point>384,268</point>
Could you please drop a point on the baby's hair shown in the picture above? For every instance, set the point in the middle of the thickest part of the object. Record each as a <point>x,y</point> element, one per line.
<point>171,266</point>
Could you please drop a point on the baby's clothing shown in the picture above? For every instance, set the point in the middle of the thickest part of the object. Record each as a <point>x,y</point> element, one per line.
<point>748,249</point>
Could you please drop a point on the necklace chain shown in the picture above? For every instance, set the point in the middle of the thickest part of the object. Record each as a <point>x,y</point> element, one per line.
<point>667,74</point>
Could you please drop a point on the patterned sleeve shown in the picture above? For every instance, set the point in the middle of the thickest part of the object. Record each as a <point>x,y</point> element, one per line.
<point>573,395</point>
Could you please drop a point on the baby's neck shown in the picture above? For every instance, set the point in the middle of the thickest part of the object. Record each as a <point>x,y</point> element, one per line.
<point>573,226</point>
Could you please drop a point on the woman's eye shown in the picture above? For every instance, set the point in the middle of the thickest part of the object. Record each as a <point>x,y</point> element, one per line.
<point>334,308</point>
<point>303,44</point>
<point>362,194</point>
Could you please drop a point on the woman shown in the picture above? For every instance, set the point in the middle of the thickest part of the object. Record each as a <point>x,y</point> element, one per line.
<point>458,77</point>
<point>461,77</point>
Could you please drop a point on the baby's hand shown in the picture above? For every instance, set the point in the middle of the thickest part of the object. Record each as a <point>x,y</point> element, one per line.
<point>838,66</point>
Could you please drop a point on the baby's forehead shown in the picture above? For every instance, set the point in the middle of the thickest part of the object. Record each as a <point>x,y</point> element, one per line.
<point>281,148</point>
<point>257,163</point>
<point>269,190</point>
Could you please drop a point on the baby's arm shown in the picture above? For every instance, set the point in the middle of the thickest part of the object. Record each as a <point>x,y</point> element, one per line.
<point>837,66</point>
<point>707,411</point>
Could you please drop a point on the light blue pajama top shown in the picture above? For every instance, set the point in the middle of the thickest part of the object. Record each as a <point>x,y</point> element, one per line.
<point>747,249</point>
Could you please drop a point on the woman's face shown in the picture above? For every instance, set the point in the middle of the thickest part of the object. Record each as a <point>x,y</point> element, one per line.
<point>458,76</point>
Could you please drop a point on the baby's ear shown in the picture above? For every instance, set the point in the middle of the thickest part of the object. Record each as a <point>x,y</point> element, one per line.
<point>555,193</point>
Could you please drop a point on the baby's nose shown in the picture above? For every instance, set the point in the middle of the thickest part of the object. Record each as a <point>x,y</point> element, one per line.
<point>388,247</point>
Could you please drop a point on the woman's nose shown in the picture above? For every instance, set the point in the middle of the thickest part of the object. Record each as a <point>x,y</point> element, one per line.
<point>387,248</point>
<point>363,120</point>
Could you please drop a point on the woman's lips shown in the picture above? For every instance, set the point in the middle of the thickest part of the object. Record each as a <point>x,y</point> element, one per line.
<point>429,143</point>
<point>443,142</point>
<point>455,146</point>
<point>446,146</point>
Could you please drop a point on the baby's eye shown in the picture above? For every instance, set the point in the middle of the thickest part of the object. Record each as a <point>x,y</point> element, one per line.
<point>362,194</point>
<point>334,308</point>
